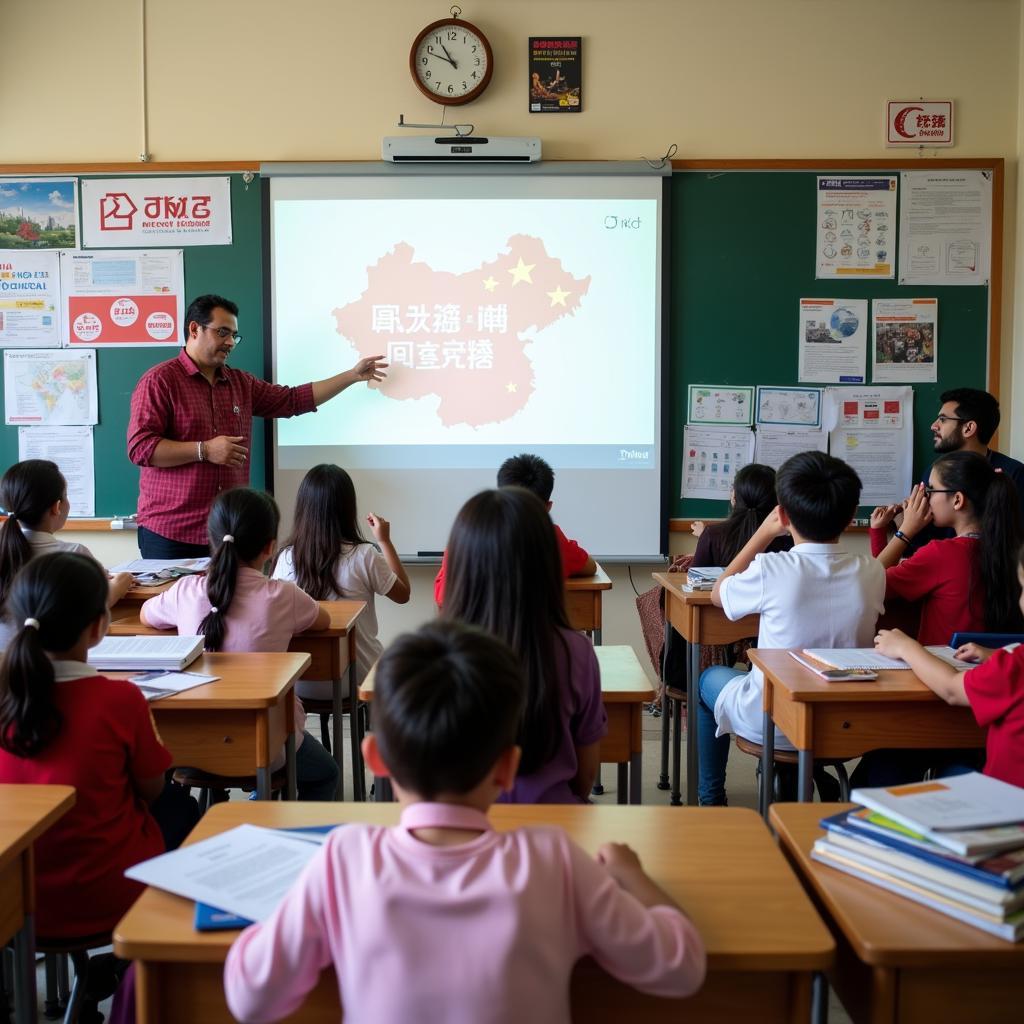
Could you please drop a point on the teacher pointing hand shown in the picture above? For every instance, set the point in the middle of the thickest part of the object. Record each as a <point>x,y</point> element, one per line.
<point>191,427</point>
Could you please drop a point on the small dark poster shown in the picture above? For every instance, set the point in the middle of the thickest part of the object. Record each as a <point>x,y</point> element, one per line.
<point>556,74</point>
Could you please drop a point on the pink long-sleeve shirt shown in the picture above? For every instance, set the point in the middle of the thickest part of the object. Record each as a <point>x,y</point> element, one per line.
<point>482,932</point>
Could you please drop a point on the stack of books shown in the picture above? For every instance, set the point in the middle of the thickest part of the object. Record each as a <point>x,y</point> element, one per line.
<point>702,578</point>
<point>955,845</point>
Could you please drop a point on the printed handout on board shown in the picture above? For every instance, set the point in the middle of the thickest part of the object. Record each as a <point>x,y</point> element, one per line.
<point>29,299</point>
<point>72,449</point>
<point>833,340</point>
<point>789,407</point>
<point>47,387</point>
<point>905,340</point>
<point>776,444</point>
<point>711,457</point>
<point>856,227</point>
<point>710,403</point>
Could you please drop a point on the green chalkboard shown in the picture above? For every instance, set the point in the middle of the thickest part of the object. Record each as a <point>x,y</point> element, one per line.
<point>234,271</point>
<point>743,245</point>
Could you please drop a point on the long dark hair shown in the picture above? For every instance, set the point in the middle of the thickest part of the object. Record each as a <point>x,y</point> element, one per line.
<point>754,494</point>
<point>505,575</point>
<point>325,522</point>
<point>63,593</point>
<point>250,518</point>
<point>994,499</point>
<point>27,491</point>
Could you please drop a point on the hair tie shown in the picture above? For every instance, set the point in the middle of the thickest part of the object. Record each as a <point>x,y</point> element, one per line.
<point>999,470</point>
<point>215,611</point>
<point>228,539</point>
<point>34,623</point>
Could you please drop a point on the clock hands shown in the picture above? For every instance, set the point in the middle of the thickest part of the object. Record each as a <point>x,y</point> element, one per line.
<point>449,56</point>
<point>430,50</point>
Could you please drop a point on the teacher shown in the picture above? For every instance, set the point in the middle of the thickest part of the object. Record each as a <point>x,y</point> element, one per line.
<point>191,426</point>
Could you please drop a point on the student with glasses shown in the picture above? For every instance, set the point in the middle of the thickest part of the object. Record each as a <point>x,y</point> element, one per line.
<point>191,426</point>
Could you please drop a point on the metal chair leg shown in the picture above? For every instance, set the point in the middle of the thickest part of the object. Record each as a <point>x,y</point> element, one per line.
<point>80,958</point>
<point>677,752</point>
<point>51,1004</point>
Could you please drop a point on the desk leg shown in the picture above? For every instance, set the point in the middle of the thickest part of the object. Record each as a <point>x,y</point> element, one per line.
<point>355,739</point>
<point>819,998</point>
<point>805,776</point>
<point>767,763</point>
<point>291,779</point>
<point>597,637</point>
<point>263,783</point>
<point>622,785</point>
<point>636,775</point>
<point>663,774</point>
<point>336,741</point>
<point>692,768</point>
<point>25,973</point>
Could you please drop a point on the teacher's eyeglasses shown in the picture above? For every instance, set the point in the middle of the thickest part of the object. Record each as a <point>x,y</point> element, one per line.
<point>224,333</point>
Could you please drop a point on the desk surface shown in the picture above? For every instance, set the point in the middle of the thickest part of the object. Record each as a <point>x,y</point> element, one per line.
<point>599,581</point>
<point>26,812</point>
<point>885,930</point>
<point>719,863</point>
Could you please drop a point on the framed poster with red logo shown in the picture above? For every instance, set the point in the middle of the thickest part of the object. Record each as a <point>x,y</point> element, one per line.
<point>123,299</point>
<point>143,211</point>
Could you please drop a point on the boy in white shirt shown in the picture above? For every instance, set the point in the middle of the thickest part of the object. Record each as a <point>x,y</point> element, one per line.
<point>816,595</point>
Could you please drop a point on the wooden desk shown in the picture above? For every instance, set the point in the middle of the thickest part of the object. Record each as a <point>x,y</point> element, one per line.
<point>583,602</point>
<point>138,594</point>
<point>332,654</point>
<point>896,960</point>
<point>843,720</point>
<point>697,621</point>
<point>26,812</point>
<point>237,724</point>
<point>762,935</point>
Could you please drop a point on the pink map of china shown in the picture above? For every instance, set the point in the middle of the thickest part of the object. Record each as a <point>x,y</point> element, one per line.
<point>461,337</point>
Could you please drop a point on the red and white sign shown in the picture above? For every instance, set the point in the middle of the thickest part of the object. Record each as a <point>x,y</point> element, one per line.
<point>131,212</point>
<point>919,123</point>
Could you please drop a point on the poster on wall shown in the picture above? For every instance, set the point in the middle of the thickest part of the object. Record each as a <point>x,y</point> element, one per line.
<point>711,456</point>
<point>29,299</point>
<point>710,403</point>
<point>48,388</point>
<point>72,449</point>
<point>38,213</point>
<point>832,337</point>
<point>856,233</point>
<point>137,212</point>
<point>905,340</point>
<point>123,299</point>
<point>556,74</point>
<point>795,408</point>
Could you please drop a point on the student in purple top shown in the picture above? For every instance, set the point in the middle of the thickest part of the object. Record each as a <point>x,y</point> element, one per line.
<point>505,576</point>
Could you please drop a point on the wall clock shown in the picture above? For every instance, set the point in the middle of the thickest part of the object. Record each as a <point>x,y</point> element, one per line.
<point>451,61</point>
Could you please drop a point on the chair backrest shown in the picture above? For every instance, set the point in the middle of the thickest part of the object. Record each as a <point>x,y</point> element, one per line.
<point>986,639</point>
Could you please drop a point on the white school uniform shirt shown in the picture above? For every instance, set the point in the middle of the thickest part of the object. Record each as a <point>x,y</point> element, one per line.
<point>362,572</point>
<point>816,595</point>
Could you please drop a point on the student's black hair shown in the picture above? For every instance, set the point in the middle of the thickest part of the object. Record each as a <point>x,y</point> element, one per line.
<point>529,471</point>
<point>325,522</point>
<point>200,310</point>
<point>251,519</point>
<point>977,405</point>
<point>448,700</point>
<point>993,498</point>
<point>28,491</point>
<point>505,575</point>
<point>63,593</point>
<point>819,493</point>
<point>754,496</point>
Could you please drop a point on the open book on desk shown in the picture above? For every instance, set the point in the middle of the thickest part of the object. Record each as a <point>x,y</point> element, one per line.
<point>159,570</point>
<point>126,653</point>
<point>867,659</point>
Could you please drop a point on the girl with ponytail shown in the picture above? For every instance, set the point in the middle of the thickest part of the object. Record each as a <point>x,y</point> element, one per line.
<point>237,608</point>
<point>63,723</point>
<point>967,582</point>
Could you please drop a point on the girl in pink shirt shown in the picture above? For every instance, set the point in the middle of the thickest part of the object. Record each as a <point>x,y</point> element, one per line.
<point>442,918</point>
<point>237,608</point>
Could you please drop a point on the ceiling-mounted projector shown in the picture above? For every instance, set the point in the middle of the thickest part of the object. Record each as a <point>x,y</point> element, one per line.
<point>459,149</point>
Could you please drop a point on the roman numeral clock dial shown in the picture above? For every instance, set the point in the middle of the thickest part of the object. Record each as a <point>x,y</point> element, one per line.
<point>451,61</point>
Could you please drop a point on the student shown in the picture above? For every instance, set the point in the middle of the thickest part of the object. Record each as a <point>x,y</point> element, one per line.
<point>504,576</point>
<point>63,723</point>
<point>816,595</point>
<point>329,559</point>
<point>533,473</point>
<point>238,609</point>
<point>35,495</point>
<point>462,923</point>
<point>965,583</point>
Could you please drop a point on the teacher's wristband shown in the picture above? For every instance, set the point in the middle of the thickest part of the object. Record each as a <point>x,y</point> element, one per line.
<point>199,451</point>
<point>900,535</point>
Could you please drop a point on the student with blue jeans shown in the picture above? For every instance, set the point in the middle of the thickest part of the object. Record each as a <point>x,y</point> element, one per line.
<point>815,595</point>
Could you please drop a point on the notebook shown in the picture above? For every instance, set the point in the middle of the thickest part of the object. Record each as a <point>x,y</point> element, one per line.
<point>867,659</point>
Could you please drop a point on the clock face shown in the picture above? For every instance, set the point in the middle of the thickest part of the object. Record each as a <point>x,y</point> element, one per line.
<point>451,61</point>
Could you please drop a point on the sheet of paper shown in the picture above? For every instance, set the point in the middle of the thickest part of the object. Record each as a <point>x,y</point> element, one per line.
<point>72,449</point>
<point>856,227</point>
<point>158,684</point>
<point>245,871</point>
<point>789,407</point>
<point>946,226</point>
<point>49,388</point>
<point>29,299</point>
<point>905,340</point>
<point>709,403</point>
<point>833,340</point>
<point>711,456</point>
<point>128,299</point>
<point>773,445</point>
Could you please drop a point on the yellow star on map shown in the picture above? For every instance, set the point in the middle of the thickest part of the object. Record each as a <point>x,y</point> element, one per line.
<point>511,387</point>
<point>521,272</point>
<point>489,283</point>
<point>558,297</point>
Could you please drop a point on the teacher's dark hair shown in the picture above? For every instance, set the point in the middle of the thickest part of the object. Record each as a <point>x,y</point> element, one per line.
<point>325,523</point>
<point>975,405</point>
<point>64,593</point>
<point>201,309</point>
<point>505,576</point>
<point>28,491</point>
<point>251,519</point>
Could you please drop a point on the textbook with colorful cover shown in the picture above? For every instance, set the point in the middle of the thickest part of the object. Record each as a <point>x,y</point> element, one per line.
<point>127,653</point>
